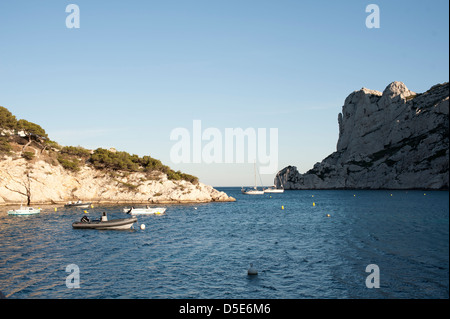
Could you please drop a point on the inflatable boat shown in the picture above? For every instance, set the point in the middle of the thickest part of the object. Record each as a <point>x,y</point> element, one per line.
<point>120,223</point>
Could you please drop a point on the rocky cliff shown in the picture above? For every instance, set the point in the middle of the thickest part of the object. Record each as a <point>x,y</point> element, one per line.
<point>37,170</point>
<point>395,139</point>
<point>52,184</point>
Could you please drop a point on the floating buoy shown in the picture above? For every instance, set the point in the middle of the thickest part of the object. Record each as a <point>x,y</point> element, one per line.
<point>314,204</point>
<point>92,206</point>
<point>328,215</point>
<point>424,194</point>
<point>56,209</point>
<point>282,207</point>
<point>312,195</point>
<point>142,226</point>
<point>391,194</point>
<point>252,271</point>
<point>85,212</point>
<point>195,207</point>
<point>354,195</point>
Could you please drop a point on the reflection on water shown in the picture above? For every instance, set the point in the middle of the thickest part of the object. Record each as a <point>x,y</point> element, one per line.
<point>204,250</point>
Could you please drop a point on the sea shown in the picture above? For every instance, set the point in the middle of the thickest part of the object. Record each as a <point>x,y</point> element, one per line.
<point>304,244</point>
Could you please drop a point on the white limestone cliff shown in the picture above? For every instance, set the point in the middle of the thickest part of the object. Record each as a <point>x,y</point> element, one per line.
<point>396,139</point>
<point>52,184</point>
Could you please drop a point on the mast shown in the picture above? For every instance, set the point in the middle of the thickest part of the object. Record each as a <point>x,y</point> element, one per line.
<point>255,173</point>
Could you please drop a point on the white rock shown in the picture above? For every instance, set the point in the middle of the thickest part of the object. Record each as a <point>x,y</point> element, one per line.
<point>394,139</point>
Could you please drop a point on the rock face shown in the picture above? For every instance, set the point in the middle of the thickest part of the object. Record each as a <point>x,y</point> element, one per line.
<point>50,184</point>
<point>392,140</point>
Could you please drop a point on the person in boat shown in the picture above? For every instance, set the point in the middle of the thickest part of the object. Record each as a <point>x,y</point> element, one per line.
<point>104,217</point>
<point>85,219</point>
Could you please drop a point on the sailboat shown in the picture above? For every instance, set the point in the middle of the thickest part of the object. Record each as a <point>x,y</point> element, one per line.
<point>274,189</point>
<point>254,191</point>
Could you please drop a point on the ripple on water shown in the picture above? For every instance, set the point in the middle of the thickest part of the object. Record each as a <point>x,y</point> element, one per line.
<point>205,253</point>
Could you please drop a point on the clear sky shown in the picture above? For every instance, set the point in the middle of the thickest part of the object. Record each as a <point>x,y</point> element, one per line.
<point>136,70</point>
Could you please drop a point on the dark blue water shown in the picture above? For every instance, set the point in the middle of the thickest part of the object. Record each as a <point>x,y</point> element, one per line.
<point>205,252</point>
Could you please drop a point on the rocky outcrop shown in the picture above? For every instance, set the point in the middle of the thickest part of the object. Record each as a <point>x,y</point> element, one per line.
<point>52,184</point>
<point>395,139</point>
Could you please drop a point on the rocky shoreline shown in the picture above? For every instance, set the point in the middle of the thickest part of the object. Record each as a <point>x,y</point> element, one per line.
<point>52,184</point>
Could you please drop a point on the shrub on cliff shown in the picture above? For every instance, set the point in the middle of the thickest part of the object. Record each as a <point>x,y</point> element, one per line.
<point>5,147</point>
<point>28,155</point>
<point>69,163</point>
<point>76,151</point>
<point>172,175</point>
<point>7,120</point>
<point>102,158</point>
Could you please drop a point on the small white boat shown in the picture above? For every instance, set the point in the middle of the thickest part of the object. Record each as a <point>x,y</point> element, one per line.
<point>145,210</point>
<point>78,204</point>
<point>24,211</point>
<point>254,191</point>
<point>273,190</point>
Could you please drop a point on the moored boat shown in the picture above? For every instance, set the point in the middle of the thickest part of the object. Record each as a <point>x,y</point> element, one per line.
<point>24,211</point>
<point>103,224</point>
<point>255,190</point>
<point>273,190</point>
<point>145,210</point>
<point>78,204</point>
<point>252,191</point>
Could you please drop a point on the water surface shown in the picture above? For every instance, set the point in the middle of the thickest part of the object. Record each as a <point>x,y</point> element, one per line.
<point>204,250</point>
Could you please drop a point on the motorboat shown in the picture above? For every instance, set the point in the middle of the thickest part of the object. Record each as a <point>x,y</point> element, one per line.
<point>24,211</point>
<point>78,204</point>
<point>145,210</point>
<point>273,189</point>
<point>104,223</point>
<point>249,191</point>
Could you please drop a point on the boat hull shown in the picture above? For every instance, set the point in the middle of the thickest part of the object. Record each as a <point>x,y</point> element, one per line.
<point>145,211</point>
<point>115,224</point>
<point>24,212</point>
<point>253,192</point>
<point>83,205</point>
<point>273,190</point>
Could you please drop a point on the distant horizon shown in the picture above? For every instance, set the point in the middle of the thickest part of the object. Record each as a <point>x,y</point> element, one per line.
<point>127,75</point>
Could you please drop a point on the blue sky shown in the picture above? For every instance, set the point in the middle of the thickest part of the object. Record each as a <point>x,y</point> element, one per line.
<point>135,70</point>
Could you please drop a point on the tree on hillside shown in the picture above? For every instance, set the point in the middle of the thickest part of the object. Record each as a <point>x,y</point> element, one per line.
<point>7,120</point>
<point>27,185</point>
<point>33,131</point>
